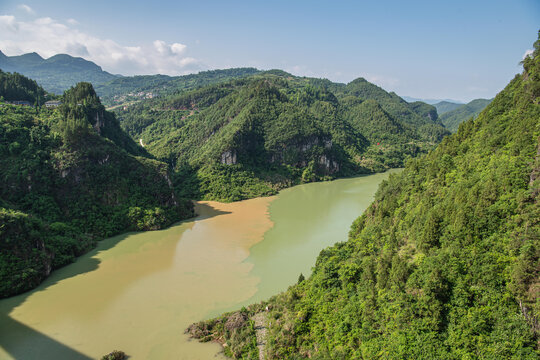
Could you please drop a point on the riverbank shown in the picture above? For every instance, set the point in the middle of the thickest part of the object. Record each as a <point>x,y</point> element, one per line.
<point>138,292</point>
<point>307,219</point>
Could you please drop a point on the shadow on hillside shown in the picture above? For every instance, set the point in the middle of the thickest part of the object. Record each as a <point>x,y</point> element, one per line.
<point>23,342</point>
<point>27,343</point>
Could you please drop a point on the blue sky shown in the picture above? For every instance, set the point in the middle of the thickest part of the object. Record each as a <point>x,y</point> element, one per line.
<point>428,49</point>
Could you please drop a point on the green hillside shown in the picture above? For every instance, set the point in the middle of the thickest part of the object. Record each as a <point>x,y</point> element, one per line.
<point>445,264</point>
<point>16,87</point>
<point>70,177</point>
<point>252,136</point>
<point>125,90</point>
<point>57,73</point>
<point>453,118</point>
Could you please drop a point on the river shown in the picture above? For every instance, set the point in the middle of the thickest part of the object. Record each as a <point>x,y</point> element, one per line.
<point>137,292</point>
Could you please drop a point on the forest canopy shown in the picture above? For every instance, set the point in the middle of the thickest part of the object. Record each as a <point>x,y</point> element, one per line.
<point>445,263</point>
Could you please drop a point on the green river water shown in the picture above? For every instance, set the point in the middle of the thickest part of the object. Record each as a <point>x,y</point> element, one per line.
<point>138,292</point>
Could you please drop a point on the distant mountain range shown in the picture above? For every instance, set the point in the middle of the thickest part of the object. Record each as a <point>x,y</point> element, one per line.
<point>451,112</point>
<point>430,101</point>
<point>252,135</point>
<point>57,73</point>
<point>451,115</point>
<point>446,106</point>
<point>130,89</point>
<point>72,174</point>
<point>444,264</point>
<point>252,132</point>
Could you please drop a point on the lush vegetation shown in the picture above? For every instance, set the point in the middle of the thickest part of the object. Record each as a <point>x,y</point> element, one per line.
<point>235,331</point>
<point>57,73</point>
<point>129,89</point>
<point>70,177</point>
<point>115,355</point>
<point>252,136</point>
<point>453,118</point>
<point>82,107</point>
<point>16,87</point>
<point>445,264</point>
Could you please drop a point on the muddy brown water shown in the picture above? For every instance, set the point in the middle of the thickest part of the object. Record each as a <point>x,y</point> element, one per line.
<point>137,292</point>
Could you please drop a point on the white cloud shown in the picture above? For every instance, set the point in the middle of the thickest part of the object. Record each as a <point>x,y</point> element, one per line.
<point>527,53</point>
<point>161,47</point>
<point>8,23</point>
<point>26,8</point>
<point>72,22</point>
<point>48,37</point>
<point>44,21</point>
<point>177,48</point>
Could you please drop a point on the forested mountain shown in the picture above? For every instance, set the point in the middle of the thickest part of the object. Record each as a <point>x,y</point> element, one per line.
<point>251,136</point>
<point>430,101</point>
<point>445,263</point>
<point>16,87</point>
<point>73,176</point>
<point>57,73</point>
<point>70,177</point>
<point>129,89</point>
<point>453,118</point>
<point>446,106</point>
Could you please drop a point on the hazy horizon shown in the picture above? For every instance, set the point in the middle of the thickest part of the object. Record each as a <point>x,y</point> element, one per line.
<point>425,50</point>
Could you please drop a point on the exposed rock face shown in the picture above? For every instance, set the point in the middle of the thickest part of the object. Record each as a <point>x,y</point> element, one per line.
<point>300,153</point>
<point>99,123</point>
<point>47,258</point>
<point>228,157</point>
<point>173,197</point>
<point>327,143</point>
<point>104,160</point>
<point>236,321</point>
<point>206,331</point>
<point>329,165</point>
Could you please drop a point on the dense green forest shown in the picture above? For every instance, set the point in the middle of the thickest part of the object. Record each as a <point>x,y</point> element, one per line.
<point>252,136</point>
<point>129,89</point>
<point>16,87</point>
<point>57,73</point>
<point>451,119</point>
<point>445,263</point>
<point>70,177</point>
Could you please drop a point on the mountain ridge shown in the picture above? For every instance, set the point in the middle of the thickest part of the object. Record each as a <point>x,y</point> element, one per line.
<point>430,101</point>
<point>129,89</point>
<point>269,130</point>
<point>451,119</point>
<point>444,264</point>
<point>71,177</point>
<point>56,73</point>
<point>446,106</point>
